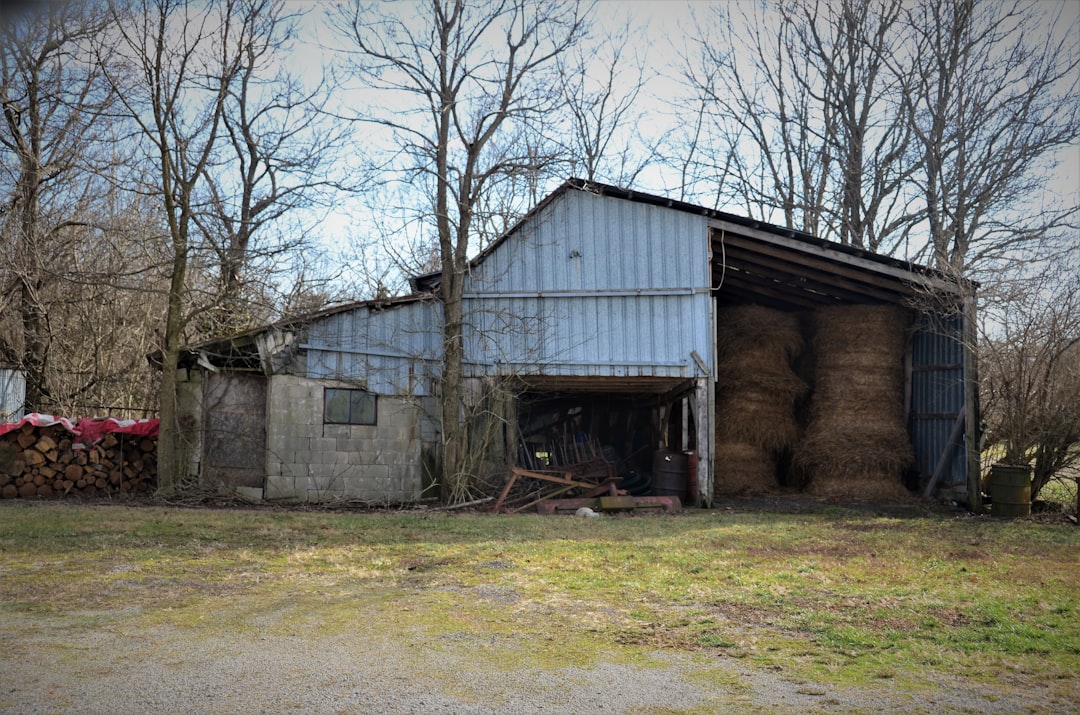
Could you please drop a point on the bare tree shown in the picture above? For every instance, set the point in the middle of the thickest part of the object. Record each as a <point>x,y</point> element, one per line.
<point>103,309</point>
<point>229,156</point>
<point>747,77</point>
<point>796,104</point>
<point>53,99</point>
<point>848,44</point>
<point>276,156</point>
<point>994,94</point>
<point>601,86</point>
<point>456,78</point>
<point>1030,362</point>
<point>173,86</point>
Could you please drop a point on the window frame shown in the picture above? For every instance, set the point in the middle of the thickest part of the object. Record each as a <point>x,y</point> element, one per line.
<point>351,419</point>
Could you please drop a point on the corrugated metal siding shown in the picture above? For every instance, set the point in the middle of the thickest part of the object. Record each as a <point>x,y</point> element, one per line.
<point>385,350</point>
<point>590,286</point>
<point>593,286</point>
<point>12,394</point>
<point>937,395</point>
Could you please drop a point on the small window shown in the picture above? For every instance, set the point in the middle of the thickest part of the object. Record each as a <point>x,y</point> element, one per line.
<point>348,407</point>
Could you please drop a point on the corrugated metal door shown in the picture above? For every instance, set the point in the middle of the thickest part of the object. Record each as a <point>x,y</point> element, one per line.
<point>234,447</point>
<point>937,398</point>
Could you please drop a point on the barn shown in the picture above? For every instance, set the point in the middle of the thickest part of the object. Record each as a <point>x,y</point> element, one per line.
<point>618,324</point>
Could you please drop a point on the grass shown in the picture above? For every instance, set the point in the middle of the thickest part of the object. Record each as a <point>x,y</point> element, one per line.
<point>837,597</point>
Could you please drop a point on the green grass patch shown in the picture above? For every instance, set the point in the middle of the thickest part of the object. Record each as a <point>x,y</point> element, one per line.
<point>840,597</point>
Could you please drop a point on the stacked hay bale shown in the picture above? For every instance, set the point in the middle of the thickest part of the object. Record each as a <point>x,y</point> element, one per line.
<point>756,395</point>
<point>856,446</point>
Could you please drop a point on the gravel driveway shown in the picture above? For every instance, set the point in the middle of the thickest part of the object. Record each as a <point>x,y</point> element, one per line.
<point>74,664</point>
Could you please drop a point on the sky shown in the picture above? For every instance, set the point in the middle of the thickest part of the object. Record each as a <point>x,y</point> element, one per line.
<point>661,27</point>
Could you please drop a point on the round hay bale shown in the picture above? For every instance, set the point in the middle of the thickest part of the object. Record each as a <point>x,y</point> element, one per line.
<point>868,330</point>
<point>857,415</point>
<point>869,488</point>
<point>743,469</point>
<point>782,381</point>
<point>758,417</point>
<point>860,382</point>
<point>856,445</point>
<point>855,453</point>
<point>756,387</point>
<point>860,465</point>
<point>753,328</point>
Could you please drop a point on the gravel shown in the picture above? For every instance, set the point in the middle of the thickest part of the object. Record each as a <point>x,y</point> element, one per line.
<point>68,664</point>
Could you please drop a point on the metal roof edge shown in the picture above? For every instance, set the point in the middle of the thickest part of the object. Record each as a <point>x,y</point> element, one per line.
<point>249,337</point>
<point>611,191</point>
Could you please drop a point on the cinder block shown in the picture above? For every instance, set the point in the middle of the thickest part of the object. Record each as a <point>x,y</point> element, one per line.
<point>338,432</point>
<point>379,472</point>
<point>350,444</point>
<point>403,421</point>
<point>327,482</point>
<point>280,488</point>
<point>295,443</point>
<point>328,457</point>
<point>322,444</point>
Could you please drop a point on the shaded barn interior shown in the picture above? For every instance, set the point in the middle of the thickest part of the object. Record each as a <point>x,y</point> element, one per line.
<point>624,423</point>
<point>815,370</point>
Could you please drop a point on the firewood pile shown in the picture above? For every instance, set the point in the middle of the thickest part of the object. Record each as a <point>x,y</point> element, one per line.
<point>49,462</point>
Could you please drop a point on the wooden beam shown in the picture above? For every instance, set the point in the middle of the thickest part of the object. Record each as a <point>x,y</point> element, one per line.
<point>828,253</point>
<point>835,281</point>
<point>822,270</point>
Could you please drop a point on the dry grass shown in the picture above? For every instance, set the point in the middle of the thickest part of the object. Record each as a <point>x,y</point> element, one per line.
<point>755,416</point>
<point>753,329</point>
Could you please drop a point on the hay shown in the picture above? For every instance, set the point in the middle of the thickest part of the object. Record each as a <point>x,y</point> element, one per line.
<point>756,387</point>
<point>780,380</point>
<point>856,445</point>
<point>868,331</point>
<point>758,417</point>
<point>869,488</point>
<point>854,453</point>
<point>751,328</point>
<point>743,469</point>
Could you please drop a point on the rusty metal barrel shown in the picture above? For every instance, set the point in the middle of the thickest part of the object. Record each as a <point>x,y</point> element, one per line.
<point>670,474</point>
<point>1010,490</point>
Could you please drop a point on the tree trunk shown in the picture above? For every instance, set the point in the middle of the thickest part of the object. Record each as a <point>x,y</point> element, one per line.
<point>453,428</point>
<point>169,448</point>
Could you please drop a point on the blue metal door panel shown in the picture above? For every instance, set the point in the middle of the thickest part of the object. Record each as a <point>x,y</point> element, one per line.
<point>937,396</point>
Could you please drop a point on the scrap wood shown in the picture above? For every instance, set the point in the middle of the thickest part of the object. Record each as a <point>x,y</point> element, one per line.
<point>569,505</point>
<point>560,477</point>
<point>545,497</point>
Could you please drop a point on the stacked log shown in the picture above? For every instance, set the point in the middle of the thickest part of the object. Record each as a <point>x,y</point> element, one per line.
<point>48,462</point>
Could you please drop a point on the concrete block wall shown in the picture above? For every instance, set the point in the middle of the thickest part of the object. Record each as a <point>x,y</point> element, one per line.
<point>309,461</point>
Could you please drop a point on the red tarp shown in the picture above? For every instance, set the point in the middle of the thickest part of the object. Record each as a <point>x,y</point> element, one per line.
<point>89,429</point>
